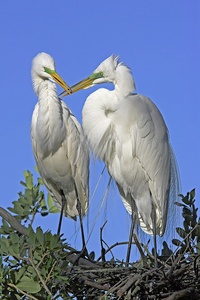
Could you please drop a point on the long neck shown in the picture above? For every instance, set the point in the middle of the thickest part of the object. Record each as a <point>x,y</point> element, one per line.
<point>124,83</point>
<point>50,126</point>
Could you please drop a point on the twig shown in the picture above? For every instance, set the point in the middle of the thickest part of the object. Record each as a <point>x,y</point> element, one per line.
<point>163,263</point>
<point>111,247</point>
<point>40,278</point>
<point>116,286</point>
<point>183,294</point>
<point>195,266</point>
<point>171,270</point>
<point>182,242</point>
<point>22,292</point>
<point>133,279</point>
<point>49,274</point>
<point>103,270</point>
<point>128,284</point>
<point>13,221</point>
<point>96,285</point>
<point>15,224</point>
<point>101,242</point>
<point>140,250</point>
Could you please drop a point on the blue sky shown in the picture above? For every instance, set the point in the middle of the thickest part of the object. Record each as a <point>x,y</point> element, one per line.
<point>158,40</point>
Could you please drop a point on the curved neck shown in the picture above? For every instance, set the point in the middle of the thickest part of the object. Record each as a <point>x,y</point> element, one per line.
<point>124,83</point>
<point>50,126</point>
<point>46,91</point>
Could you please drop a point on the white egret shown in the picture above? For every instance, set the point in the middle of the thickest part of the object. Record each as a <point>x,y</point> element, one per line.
<point>58,144</point>
<point>127,131</point>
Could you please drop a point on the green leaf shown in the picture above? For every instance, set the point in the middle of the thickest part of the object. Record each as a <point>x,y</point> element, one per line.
<point>178,204</point>
<point>40,181</point>
<point>181,232</point>
<point>26,173</point>
<point>5,241</point>
<point>20,273</point>
<point>36,169</point>
<point>29,197</point>
<point>5,227</point>
<point>54,241</point>
<point>54,210</point>
<point>186,200</point>
<point>29,181</point>
<point>166,251</point>
<point>43,204</point>
<point>32,236</point>
<point>14,237</point>
<point>23,183</point>
<point>52,207</point>
<point>4,248</point>
<point>40,236</point>
<point>18,209</point>
<point>192,194</point>
<point>48,236</point>
<point>50,201</point>
<point>176,242</point>
<point>28,285</point>
<point>186,211</point>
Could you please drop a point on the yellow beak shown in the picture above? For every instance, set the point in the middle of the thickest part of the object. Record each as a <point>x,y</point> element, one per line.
<point>83,84</point>
<point>59,80</point>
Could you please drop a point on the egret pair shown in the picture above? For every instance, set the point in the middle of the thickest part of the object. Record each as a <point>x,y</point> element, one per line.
<point>123,128</point>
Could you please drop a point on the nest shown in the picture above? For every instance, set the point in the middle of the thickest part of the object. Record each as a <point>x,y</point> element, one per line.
<point>175,278</point>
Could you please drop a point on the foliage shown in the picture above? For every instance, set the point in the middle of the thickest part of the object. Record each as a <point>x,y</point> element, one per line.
<point>190,233</point>
<point>32,201</point>
<point>39,265</point>
<point>31,264</point>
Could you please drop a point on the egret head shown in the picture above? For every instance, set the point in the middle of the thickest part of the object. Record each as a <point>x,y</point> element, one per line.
<point>107,69</point>
<point>43,68</point>
<point>105,72</point>
<point>110,70</point>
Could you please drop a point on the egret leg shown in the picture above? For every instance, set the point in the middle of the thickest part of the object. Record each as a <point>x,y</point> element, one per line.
<point>153,217</point>
<point>133,217</point>
<point>84,249</point>
<point>63,199</point>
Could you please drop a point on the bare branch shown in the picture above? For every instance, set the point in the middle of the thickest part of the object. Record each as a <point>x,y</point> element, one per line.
<point>13,221</point>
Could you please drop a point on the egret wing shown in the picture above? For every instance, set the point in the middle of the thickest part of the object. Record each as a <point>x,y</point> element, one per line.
<point>66,168</point>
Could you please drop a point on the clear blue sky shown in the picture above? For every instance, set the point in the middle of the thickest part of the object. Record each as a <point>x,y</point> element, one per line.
<point>158,40</point>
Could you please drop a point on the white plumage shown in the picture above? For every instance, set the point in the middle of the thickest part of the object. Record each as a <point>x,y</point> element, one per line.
<point>58,144</point>
<point>127,131</point>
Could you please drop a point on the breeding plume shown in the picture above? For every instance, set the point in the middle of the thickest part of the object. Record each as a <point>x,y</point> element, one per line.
<point>127,131</point>
<point>58,144</point>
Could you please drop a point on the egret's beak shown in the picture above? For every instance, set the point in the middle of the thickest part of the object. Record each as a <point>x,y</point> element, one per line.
<point>83,84</point>
<point>58,80</point>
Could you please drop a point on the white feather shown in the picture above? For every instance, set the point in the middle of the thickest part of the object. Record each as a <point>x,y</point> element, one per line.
<point>128,133</point>
<point>58,142</point>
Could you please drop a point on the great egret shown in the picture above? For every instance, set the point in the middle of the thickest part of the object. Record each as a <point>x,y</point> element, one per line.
<point>127,131</point>
<point>58,144</point>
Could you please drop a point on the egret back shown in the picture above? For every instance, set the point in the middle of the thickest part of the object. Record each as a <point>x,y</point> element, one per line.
<point>129,134</point>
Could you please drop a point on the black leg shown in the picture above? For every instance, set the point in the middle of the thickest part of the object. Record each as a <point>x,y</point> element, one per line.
<point>153,217</point>
<point>61,212</point>
<point>84,249</point>
<point>133,218</point>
